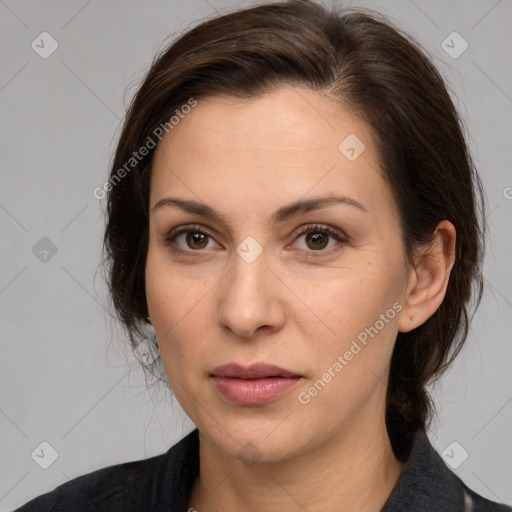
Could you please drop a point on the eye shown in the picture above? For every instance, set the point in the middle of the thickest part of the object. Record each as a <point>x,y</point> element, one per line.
<point>189,239</point>
<point>316,238</point>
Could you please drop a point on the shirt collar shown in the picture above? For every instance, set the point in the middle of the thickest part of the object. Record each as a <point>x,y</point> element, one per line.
<point>425,483</point>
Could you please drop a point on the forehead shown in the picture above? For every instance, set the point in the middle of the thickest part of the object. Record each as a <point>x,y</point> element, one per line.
<point>286,141</point>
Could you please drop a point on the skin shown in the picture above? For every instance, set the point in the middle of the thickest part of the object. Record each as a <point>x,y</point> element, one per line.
<point>298,305</point>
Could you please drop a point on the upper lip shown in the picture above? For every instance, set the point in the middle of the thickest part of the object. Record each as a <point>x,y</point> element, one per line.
<point>254,371</point>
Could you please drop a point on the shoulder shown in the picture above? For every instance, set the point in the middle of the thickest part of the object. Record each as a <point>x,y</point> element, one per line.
<point>104,489</point>
<point>477,503</point>
<point>427,484</point>
<point>130,486</point>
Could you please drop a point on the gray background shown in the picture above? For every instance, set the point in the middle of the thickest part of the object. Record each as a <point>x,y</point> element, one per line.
<point>62,379</point>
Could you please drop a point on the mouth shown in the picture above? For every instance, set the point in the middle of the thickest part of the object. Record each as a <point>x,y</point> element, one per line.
<point>255,371</point>
<point>254,385</point>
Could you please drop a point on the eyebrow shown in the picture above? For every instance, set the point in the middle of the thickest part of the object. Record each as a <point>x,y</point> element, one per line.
<point>284,213</point>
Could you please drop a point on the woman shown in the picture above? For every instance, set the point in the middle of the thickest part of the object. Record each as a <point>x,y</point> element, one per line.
<point>293,207</point>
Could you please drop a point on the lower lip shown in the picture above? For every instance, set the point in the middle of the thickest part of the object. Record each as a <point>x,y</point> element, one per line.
<point>253,391</point>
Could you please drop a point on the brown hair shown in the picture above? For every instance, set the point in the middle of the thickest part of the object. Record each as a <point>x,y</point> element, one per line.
<point>361,61</point>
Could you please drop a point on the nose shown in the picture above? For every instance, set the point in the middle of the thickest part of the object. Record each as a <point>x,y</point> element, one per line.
<point>250,298</point>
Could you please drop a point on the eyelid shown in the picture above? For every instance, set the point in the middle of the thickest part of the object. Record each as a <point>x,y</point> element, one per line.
<point>187,227</point>
<point>322,227</point>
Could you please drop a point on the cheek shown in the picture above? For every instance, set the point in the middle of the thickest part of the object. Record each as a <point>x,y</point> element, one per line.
<point>360,308</point>
<point>169,295</point>
<point>356,296</point>
<point>177,306</point>
<point>350,366</point>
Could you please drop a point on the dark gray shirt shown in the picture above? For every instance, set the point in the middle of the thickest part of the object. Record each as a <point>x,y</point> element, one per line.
<point>163,484</point>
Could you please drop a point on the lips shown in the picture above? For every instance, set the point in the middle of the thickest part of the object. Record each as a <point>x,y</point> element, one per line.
<point>255,371</point>
<point>253,385</point>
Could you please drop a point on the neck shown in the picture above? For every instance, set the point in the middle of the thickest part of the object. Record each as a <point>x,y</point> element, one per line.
<point>355,470</point>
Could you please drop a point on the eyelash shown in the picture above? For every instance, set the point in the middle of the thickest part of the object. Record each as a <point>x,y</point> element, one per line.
<point>315,228</point>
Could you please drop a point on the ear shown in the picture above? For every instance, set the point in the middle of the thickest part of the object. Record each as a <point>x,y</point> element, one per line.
<point>429,278</point>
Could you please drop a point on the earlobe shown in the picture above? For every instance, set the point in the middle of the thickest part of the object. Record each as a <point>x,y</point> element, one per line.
<point>429,278</point>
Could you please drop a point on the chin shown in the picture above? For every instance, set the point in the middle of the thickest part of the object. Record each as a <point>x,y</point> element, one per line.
<point>257,440</point>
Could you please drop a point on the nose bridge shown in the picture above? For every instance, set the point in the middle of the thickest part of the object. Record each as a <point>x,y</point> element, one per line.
<point>248,299</point>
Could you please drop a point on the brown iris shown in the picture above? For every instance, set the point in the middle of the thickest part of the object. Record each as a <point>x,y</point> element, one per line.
<point>318,239</point>
<point>194,238</point>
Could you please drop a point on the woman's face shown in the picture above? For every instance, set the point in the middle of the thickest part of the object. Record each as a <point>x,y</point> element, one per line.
<point>235,279</point>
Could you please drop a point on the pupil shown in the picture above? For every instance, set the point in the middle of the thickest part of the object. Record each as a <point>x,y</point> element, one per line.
<point>317,238</point>
<point>195,238</point>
